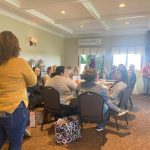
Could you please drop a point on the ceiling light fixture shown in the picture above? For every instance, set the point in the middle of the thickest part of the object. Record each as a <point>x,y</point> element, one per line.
<point>122,5</point>
<point>81,26</point>
<point>127,22</point>
<point>63,12</point>
<point>47,19</point>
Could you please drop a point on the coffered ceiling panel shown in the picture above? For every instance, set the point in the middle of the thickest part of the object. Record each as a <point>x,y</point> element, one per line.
<point>111,7</point>
<point>73,11</point>
<point>126,23</point>
<point>84,25</point>
<point>82,17</point>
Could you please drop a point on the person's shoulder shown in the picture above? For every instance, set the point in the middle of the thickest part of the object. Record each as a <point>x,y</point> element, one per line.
<point>48,82</point>
<point>20,60</point>
<point>123,84</point>
<point>145,67</point>
<point>66,78</point>
<point>46,76</point>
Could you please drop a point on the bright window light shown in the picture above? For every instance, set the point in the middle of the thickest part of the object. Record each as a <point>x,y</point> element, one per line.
<point>83,62</point>
<point>134,59</point>
<point>82,68</point>
<point>119,59</point>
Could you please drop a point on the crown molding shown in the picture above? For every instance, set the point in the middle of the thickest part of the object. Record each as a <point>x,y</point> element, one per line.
<point>15,3</point>
<point>27,21</point>
<point>93,11</point>
<point>49,20</point>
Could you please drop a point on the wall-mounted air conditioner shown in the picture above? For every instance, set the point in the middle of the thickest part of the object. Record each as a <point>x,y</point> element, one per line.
<point>89,42</point>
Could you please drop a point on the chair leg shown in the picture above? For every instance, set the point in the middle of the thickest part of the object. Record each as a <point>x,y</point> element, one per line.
<point>42,126</point>
<point>104,136</point>
<point>116,122</point>
<point>44,118</point>
<point>126,119</point>
<point>131,104</point>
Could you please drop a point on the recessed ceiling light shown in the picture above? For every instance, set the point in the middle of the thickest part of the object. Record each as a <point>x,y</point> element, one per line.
<point>81,26</point>
<point>127,22</point>
<point>122,5</point>
<point>63,12</point>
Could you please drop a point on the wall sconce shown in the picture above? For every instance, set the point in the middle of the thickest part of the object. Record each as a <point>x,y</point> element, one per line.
<point>32,41</point>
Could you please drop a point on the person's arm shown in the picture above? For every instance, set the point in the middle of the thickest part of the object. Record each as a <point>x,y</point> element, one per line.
<point>132,80</point>
<point>115,91</point>
<point>104,95</point>
<point>78,89</point>
<point>71,85</point>
<point>29,75</point>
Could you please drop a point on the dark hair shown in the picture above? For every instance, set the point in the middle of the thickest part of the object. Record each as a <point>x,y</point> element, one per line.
<point>34,68</point>
<point>121,67</point>
<point>90,75</point>
<point>114,68</point>
<point>39,76</point>
<point>9,46</point>
<point>49,68</point>
<point>59,70</point>
<point>124,75</point>
<point>92,63</point>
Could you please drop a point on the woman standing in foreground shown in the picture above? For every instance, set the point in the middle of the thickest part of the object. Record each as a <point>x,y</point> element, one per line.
<point>15,76</point>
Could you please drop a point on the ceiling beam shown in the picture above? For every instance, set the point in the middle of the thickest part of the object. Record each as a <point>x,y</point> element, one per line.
<point>49,20</point>
<point>41,3</point>
<point>127,16</point>
<point>74,20</point>
<point>93,11</point>
<point>28,21</point>
<point>15,3</point>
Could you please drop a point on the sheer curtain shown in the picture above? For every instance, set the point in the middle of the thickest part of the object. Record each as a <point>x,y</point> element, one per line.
<point>91,51</point>
<point>138,89</point>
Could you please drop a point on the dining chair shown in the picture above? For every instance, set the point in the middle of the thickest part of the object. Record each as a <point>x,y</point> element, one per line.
<point>91,108</point>
<point>52,104</point>
<point>124,98</point>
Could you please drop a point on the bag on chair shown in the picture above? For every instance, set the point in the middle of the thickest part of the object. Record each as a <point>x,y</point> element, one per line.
<point>67,129</point>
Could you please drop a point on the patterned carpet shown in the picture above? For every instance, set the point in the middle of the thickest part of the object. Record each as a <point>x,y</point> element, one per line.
<point>135,136</point>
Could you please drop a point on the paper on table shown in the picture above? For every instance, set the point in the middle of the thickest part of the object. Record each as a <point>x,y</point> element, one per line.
<point>69,97</point>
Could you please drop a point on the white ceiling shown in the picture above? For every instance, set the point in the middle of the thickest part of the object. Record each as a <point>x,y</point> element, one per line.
<point>83,17</point>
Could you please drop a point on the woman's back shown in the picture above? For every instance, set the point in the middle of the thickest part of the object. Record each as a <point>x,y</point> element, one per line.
<point>15,75</point>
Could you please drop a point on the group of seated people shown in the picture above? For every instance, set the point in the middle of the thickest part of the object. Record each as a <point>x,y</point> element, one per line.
<point>66,87</point>
<point>34,93</point>
<point>131,74</point>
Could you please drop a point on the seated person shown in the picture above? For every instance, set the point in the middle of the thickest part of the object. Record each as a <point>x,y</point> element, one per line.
<point>69,72</point>
<point>103,74</point>
<point>76,71</point>
<point>132,76</point>
<point>63,85</point>
<point>112,74</point>
<point>92,63</point>
<point>35,95</point>
<point>47,75</point>
<point>89,84</point>
<point>121,84</point>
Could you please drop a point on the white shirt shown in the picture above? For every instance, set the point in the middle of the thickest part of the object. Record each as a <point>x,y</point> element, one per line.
<point>63,85</point>
<point>117,88</point>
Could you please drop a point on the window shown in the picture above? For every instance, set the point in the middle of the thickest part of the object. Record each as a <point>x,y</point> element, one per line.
<point>119,59</point>
<point>134,59</point>
<point>85,60</point>
<point>127,60</point>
